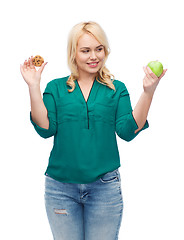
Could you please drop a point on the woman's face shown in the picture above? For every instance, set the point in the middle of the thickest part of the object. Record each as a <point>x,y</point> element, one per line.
<point>89,55</point>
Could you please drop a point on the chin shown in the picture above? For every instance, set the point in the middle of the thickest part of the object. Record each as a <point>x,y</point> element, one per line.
<point>95,70</point>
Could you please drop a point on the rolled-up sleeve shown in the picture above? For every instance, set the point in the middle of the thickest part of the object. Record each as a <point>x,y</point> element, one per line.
<point>125,122</point>
<point>49,102</point>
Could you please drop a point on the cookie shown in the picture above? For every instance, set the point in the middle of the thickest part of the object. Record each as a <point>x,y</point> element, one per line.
<point>38,60</point>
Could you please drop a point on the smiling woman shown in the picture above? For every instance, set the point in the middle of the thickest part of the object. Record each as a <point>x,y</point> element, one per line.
<point>83,185</point>
<point>88,50</point>
<point>89,59</point>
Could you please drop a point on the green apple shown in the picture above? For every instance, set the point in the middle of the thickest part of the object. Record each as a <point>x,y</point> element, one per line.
<point>156,67</point>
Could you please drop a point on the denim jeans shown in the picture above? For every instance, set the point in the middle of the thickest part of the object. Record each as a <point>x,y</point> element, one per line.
<point>90,211</point>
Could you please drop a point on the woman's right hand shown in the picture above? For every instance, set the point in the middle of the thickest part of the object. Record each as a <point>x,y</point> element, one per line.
<point>31,76</point>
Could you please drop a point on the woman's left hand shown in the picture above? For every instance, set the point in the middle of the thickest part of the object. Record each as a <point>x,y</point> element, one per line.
<point>150,80</point>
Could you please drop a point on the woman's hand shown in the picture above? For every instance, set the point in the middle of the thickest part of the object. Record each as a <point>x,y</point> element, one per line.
<point>150,80</point>
<point>141,109</point>
<point>31,76</point>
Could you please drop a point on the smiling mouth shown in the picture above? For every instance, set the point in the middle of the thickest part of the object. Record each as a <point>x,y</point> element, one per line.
<point>93,64</point>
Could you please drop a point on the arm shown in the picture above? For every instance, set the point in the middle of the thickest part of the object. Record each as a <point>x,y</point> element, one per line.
<point>32,77</point>
<point>38,109</point>
<point>49,102</point>
<point>43,111</point>
<point>141,109</point>
<point>126,125</point>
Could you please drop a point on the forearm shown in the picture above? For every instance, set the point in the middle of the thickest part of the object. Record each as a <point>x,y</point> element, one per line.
<point>38,109</point>
<point>141,109</point>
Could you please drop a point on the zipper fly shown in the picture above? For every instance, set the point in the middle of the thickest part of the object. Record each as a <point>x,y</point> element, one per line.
<point>87,114</point>
<point>86,101</point>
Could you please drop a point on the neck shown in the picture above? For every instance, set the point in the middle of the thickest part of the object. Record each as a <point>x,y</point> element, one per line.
<point>86,77</point>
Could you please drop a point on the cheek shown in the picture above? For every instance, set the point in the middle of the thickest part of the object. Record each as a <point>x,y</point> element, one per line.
<point>101,56</point>
<point>80,58</point>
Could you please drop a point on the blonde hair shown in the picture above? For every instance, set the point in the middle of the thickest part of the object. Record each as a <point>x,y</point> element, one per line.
<point>104,75</point>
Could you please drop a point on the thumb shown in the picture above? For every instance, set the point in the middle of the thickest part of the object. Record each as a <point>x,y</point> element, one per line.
<point>42,67</point>
<point>21,69</point>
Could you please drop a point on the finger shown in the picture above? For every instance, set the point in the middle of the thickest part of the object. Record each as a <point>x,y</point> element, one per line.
<point>28,62</point>
<point>31,63</point>
<point>21,68</point>
<point>146,80</point>
<point>146,70</point>
<point>25,64</point>
<point>147,73</point>
<point>42,67</point>
<point>151,73</point>
<point>163,73</point>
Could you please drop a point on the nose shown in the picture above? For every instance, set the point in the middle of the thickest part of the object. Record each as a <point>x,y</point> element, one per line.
<point>93,55</point>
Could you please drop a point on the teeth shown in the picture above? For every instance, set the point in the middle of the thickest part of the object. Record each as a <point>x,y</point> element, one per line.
<point>93,63</point>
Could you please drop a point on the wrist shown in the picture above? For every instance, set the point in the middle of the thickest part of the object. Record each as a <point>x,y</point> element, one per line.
<point>34,87</point>
<point>148,94</point>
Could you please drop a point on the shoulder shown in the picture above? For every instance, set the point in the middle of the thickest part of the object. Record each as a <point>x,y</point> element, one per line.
<point>120,86</point>
<point>56,84</point>
<point>57,81</point>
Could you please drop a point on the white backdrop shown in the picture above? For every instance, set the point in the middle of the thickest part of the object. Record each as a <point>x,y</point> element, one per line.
<point>151,165</point>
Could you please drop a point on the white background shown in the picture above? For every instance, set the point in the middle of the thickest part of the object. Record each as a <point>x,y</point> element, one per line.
<point>151,165</point>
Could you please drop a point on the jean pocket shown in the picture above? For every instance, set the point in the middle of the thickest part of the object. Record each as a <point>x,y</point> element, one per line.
<point>110,177</point>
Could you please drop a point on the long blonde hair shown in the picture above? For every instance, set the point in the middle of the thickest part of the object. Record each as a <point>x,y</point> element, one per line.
<point>104,75</point>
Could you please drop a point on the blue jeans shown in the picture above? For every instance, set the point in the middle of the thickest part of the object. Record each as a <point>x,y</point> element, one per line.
<point>90,211</point>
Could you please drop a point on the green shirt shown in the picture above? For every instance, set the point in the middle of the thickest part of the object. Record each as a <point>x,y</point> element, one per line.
<point>85,146</point>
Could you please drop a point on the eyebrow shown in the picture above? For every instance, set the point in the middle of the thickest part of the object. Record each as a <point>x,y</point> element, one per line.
<point>89,48</point>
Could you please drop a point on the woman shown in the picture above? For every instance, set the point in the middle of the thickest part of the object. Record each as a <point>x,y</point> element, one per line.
<point>83,112</point>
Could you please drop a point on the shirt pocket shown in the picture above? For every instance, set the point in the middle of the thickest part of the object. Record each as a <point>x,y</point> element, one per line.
<point>67,109</point>
<point>105,110</point>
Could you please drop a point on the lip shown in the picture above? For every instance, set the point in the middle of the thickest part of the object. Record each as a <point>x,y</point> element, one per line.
<point>93,64</point>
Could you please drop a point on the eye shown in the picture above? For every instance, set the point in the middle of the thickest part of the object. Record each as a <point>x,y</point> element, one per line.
<point>85,51</point>
<point>99,49</point>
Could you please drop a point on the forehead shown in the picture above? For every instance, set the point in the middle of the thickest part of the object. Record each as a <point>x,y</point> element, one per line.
<point>87,40</point>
